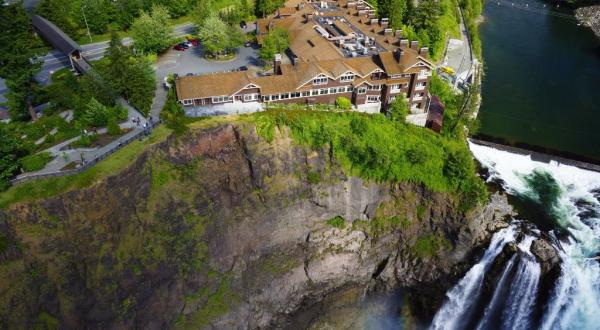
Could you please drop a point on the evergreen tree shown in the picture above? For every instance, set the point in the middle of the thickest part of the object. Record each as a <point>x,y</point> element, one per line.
<point>19,48</point>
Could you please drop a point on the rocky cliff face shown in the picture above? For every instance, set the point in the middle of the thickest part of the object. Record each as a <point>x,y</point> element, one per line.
<point>220,229</point>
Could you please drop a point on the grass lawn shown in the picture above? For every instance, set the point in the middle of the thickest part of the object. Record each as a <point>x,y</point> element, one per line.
<point>116,162</point>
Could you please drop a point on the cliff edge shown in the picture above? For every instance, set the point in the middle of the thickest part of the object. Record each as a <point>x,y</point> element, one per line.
<point>220,229</point>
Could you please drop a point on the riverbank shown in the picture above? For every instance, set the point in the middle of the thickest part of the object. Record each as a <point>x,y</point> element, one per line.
<point>590,17</point>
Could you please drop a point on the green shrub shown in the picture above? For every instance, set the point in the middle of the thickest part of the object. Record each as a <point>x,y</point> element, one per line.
<point>314,177</point>
<point>428,246</point>
<point>398,109</point>
<point>113,128</point>
<point>35,162</point>
<point>343,103</point>
<point>375,148</point>
<point>337,222</point>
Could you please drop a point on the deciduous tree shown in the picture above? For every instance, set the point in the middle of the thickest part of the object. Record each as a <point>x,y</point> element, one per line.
<point>151,31</point>
<point>276,42</point>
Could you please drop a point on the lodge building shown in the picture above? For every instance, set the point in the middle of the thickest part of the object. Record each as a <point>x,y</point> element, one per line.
<point>337,48</point>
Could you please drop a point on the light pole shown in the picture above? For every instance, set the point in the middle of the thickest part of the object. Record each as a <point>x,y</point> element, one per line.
<point>86,24</point>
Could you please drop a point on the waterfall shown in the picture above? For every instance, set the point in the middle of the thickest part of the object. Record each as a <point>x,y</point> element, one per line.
<point>457,307</point>
<point>568,197</point>
<point>514,297</point>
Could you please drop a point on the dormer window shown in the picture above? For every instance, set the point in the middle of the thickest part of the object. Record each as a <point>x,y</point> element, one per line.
<point>320,80</point>
<point>347,78</point>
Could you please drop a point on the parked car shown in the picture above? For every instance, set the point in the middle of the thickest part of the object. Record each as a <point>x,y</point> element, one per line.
<point>243,68</point>
<point>243,24</point>
<point>189,74</point>
<point>178,47</point>
<point>167,84</point>
<point>184,45</point>
<point>194,42</point>
<point>247,44</point>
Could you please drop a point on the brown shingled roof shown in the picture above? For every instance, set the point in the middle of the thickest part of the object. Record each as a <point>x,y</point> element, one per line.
<point>215,84</point>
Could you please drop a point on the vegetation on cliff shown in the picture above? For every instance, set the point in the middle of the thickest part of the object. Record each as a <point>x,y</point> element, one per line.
<point>376,148</point>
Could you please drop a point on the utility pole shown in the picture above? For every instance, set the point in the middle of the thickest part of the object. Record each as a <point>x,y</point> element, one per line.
<point>86,24</point>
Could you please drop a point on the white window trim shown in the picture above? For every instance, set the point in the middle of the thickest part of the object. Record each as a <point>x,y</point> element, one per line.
<point>187,102</point>
<point>373,98</point>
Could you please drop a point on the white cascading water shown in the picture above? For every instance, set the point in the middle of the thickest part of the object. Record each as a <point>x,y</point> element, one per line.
<point>575,301</point>
<point>523,289</point>
<point>461,296</point>
<point>514,296</point>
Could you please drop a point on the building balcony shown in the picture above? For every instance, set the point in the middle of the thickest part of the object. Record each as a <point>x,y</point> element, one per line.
<point>417,98</point>
<point>419,88</point>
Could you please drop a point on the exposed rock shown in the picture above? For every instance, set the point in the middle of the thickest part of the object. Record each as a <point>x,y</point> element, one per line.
<point>219,229</point>
<point>546,255</point>
<point>590,17</point>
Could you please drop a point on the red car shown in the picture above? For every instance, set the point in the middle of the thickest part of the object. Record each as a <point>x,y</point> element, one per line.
<point>194,42</point>
<point>178,47</point>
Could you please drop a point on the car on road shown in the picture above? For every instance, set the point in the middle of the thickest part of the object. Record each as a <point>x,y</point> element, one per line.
<point>167,84</point>
<point>194,42</point>
<point>247,44</point>
<point>178,47</point>
<point>184,45</point>
<point>243,68</point>
<point>189,74</point>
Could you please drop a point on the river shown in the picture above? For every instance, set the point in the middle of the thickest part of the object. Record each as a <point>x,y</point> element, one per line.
<point>542,79</point>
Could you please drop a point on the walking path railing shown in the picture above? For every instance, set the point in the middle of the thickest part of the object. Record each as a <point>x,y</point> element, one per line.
<point>137,134</point>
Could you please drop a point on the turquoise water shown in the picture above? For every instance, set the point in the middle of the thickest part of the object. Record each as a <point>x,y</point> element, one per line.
<point>542,83</point>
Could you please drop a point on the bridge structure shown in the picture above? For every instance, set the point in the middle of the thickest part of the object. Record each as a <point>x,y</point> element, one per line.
<point>53,35</point>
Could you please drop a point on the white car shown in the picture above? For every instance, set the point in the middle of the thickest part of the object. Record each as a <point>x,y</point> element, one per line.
<point>166,83</point>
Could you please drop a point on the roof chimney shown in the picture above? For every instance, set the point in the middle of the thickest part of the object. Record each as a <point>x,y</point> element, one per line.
<point>388,32</point>
<point>403,42</point>
<point>374,21</point>
<point>277,64</point>
<point>399,54</point>
<point>423,51</point>
<point>385,22</point>
<point>398,34</point>
<point>414,44</point>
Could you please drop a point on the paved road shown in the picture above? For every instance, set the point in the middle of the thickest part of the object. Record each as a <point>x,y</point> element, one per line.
<point>458,53</point>
<point>55,60</point>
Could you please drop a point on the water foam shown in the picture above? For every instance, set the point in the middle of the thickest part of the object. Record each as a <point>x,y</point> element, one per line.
<point>461,297</point>
<point>575,301</point>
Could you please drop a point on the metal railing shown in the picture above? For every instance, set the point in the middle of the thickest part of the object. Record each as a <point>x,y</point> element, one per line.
<point>87,164</point>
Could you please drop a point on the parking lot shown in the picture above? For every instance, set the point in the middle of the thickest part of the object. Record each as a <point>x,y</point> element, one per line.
<point>192,61</point>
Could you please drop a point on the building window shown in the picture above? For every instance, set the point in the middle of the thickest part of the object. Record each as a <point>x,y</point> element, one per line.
<point>395,88</point>
<point>362,90</point>
<point>187,102</point>
<point>305,94</point>
<point>347,77</point>
<point>295,95</point>
<point>250,97</point>
<point>332,90</point>
<point>314,92</point>
<point>372,98</point>
<point>323,91</point>
<point>320,80</point>
<point>275,97</point>
<point>220,99</point>
<point>349,88</point>
<point>374,87</point>
<point>285,96</point>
